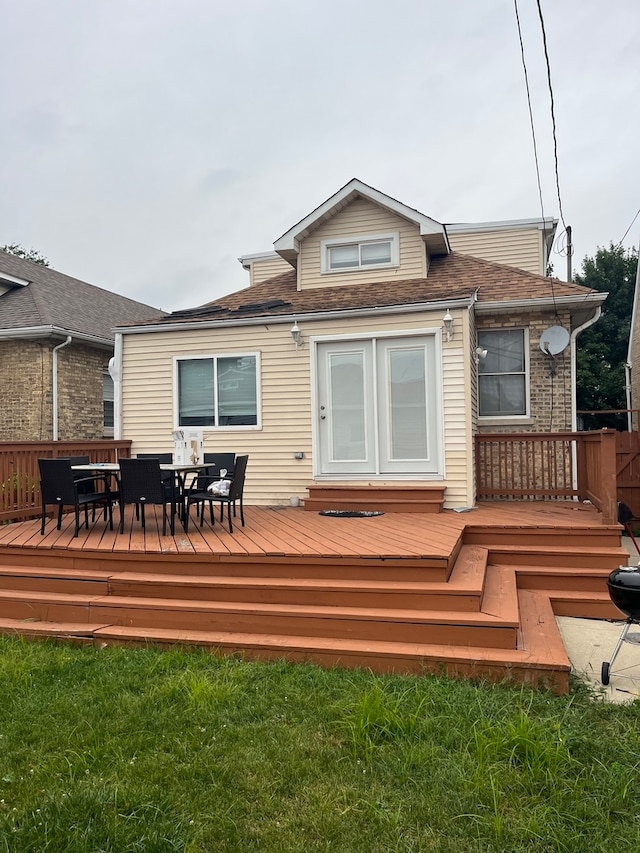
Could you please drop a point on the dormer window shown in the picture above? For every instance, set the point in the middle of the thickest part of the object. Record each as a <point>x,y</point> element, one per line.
<point>374,251</point>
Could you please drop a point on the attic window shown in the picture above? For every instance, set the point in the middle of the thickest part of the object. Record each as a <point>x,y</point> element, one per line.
<point>375,251</point>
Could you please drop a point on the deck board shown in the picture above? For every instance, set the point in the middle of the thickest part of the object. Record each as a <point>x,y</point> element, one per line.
<point>293,532</point>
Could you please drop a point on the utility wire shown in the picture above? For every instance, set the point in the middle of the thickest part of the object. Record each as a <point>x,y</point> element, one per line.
<point>553,116</point>
<point>526,83</point>
<point>629,228</point>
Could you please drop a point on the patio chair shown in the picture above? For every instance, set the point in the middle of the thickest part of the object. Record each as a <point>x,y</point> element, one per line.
<point>59,487</point>
<point>221,462</point>
<point>141,483</point>
<point>86,487</point>
<point>199,494</point>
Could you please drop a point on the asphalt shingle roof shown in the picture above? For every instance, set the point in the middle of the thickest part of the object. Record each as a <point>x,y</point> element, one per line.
<point>54,299</point>
<point>453,276</point>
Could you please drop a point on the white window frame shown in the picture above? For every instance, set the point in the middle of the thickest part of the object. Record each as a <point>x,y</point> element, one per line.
<point>508,417</point>
<point>392,237</point>
<point>215,357</point>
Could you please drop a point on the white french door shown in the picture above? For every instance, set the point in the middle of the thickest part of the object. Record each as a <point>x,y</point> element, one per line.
<point>378,407</point>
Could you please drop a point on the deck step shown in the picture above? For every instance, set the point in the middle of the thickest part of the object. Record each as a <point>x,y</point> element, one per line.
<point>540,659</point>
<point>603,536</point>
<point>384,498</point>
<point>582,558</point>
<point>562,577</point>
<point>427,568</point>
<point>400,625</point>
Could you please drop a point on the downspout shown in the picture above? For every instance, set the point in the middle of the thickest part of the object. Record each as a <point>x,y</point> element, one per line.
<point>115,371</point>
<point>629,363</point>
<point>54,380</point>
<point>574,371</point>
<point>574,366</point>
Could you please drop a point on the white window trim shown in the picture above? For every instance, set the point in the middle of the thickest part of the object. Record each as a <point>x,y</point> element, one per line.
<point>325,245</point>
<point>511,418</point>
<point>209,428</point>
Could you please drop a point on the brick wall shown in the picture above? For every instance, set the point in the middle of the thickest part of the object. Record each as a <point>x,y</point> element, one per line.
<point>26,413</point>
<point>25,391</point>
<point>550,396</point>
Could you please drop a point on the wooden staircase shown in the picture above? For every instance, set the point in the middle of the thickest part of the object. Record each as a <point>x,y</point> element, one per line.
<point>488,612</point>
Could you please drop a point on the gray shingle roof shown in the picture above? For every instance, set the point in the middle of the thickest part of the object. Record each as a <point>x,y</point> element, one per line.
<point>54,299</point>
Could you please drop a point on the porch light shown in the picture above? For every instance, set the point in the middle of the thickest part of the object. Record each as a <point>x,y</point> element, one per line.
<point>296,334</point>
<point>447,322</point>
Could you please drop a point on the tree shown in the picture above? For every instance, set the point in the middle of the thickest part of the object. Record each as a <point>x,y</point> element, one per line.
<point>602,349</point>
<point>28,254</point>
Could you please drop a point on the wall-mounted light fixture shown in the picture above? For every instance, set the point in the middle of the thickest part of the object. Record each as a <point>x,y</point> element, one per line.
<point>296,334</point>
<point>447,322</point>
<point>480,353</point>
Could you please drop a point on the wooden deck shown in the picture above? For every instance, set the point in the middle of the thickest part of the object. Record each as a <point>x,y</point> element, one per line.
<point>469,594</point>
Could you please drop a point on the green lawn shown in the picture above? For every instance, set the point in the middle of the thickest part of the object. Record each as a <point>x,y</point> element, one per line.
<point>156,751</point>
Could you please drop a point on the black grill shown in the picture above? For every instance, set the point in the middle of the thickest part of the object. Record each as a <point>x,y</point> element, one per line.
<point>624,590</point>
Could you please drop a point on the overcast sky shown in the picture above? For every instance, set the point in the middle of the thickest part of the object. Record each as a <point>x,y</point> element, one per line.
<point>147,144</point>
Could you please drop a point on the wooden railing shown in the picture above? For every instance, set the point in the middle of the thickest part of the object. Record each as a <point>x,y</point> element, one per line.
<point>549,466</point>
<point>20,477</point>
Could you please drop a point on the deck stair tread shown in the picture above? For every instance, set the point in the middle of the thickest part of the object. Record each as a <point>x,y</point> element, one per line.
<point>386,614</point>
<point>536,648</point>
<point>570,556</point>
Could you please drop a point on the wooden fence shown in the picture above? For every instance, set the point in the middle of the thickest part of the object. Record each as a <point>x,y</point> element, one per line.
<point>628,469</point>
<point>20,477</point>
<point>549,466</point>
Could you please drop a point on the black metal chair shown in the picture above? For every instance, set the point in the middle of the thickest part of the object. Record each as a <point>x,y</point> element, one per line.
<point>199,494</point>
<point>59,487</point>
<point>141,483</point>
<point>221,462</point>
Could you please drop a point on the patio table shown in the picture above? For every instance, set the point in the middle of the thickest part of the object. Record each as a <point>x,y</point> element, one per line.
<point>180,470</point>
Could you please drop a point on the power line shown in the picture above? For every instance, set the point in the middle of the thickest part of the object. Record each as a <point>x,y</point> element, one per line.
<point>553,116</point>
<point>526,83</point>
<point>630,226</point>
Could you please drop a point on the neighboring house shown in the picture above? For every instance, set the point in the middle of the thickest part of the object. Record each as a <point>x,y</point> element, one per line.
<point>365,351</point>
<point>56,340</point>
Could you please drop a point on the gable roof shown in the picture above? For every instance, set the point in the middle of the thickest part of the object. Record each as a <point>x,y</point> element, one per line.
<point>38,301</point>
<point>433,233</point>
<point>453,279</point>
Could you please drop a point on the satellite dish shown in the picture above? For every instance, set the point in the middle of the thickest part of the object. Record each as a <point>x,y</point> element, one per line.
<point>553,340</point>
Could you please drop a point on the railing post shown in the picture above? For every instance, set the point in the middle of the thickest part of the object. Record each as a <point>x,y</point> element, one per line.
<point>608,483</point>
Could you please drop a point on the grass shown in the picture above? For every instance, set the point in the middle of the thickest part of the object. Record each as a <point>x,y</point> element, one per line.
<point>148,750</point>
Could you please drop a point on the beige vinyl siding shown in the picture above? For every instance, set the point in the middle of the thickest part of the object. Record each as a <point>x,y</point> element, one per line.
<point>262,269</point>
<point>274,475</point>
<point>361,218</point>
<point>516,247</point>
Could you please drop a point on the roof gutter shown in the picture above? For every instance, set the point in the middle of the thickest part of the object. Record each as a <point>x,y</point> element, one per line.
<point>596,297</point>
<point>54,371</point>
<point>34,332</point>
<point>411,308</point>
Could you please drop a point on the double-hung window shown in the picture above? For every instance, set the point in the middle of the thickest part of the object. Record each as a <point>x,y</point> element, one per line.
<point>502,374</point>
<point>356,253</point>
<point>218,391</point>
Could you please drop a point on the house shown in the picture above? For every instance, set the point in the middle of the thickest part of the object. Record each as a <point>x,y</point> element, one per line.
<point>368,350</point>
<point>56,340</point>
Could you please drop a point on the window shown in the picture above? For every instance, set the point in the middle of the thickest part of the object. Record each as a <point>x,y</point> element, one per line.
<point>502,375</point>
<point>355,253</point>
<point>217,391</point>
<point>107,404</point>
